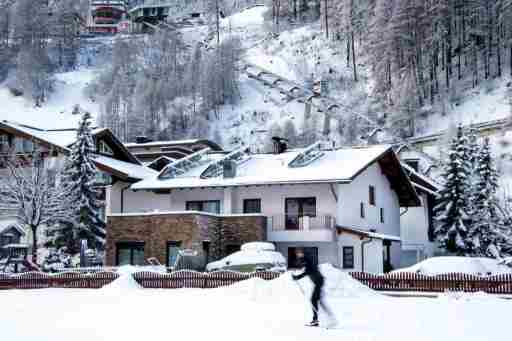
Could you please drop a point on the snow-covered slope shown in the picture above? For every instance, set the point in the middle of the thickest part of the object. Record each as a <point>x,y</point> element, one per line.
<point>57,112</point>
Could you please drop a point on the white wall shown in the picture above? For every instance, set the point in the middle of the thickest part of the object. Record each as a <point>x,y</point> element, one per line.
<point>351,195</point>
<point>272,198</point>
<point>373,253</point>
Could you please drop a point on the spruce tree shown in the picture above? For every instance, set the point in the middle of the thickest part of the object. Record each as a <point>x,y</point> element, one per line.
<point>487,221</point>
<point>452,218</point>
<point>78,179</point>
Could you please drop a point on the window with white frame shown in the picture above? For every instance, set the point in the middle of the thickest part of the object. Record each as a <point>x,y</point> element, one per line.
<point>104,148</point>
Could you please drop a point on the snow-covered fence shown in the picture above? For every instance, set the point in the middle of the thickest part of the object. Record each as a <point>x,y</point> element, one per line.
<point>41,280</point>
<point>194,279</point>
<point>154,280</point>
<point>409,281</point>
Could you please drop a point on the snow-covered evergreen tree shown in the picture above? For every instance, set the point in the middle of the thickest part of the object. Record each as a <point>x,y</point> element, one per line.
<point>487,221</point>
<point>452,216</point>
<point>78,179</point>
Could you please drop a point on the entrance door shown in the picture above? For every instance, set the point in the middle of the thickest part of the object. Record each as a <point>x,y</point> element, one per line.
<point>173,250</point>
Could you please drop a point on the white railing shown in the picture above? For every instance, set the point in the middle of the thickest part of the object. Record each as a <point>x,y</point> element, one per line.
<point>288,222</point>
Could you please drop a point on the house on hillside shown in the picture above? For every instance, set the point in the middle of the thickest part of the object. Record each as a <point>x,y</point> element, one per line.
<point>158,153</point>
<point>337,205</point>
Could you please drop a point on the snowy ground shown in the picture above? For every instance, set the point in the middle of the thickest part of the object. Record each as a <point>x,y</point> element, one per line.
<point>57,112</point>
<point>249,310</point>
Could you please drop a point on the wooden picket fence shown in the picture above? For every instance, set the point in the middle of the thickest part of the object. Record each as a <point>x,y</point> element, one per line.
<point>153,280</point>
<point>41,280</point>
<point>409,281</point>
<point>499,284</point>
<point>194,279</point>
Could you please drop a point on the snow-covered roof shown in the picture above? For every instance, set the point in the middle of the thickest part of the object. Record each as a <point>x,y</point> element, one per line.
<point>171,143</point>
<point>124,169</point>
<point>58,137</point>
<point>428,181</point>
<point>6,224</point>
<point>340,165</point>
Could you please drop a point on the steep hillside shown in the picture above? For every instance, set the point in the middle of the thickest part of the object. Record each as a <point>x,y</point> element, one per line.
<point>301,55</point>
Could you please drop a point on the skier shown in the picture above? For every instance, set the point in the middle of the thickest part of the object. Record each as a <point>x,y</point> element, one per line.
<point>311,270</point>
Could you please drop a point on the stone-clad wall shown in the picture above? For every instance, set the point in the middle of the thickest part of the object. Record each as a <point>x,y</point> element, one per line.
<point>190,228</point>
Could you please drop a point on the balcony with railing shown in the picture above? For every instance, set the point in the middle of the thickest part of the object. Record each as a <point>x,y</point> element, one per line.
<point>294,228</point>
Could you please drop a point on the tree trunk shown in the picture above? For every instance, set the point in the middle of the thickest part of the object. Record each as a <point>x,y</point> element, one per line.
<point>354,56</point>
<point>34,243</point>
<point>326,20</point>
<point>217,23</point>
<point>498,50</point>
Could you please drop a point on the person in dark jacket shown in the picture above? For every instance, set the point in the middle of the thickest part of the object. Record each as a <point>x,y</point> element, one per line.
<point>311,270</point>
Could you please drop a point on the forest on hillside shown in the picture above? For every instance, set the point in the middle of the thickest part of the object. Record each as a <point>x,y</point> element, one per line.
<point>420,56</point>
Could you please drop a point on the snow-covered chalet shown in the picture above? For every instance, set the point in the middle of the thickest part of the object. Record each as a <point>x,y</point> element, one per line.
<point>340,205</point>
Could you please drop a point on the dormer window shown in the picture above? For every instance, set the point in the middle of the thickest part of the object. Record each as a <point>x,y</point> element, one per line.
<point>413,163</point>
<point>104,148</point>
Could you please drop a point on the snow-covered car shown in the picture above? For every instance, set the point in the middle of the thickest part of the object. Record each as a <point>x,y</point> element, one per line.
<point>251,257</point>
<point>479,266</point>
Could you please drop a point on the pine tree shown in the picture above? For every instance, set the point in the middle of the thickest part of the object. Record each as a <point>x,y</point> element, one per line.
<point>78,179</point>
<point>486,219</point>
<point>452,217</point>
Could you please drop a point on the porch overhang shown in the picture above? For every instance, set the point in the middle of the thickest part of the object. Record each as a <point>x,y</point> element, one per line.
<point>367,234</point>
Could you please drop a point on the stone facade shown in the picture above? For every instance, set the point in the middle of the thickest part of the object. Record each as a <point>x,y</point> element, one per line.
<point>191,229</point>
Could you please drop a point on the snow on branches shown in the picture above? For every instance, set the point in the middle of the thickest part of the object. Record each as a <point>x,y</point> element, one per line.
<point>469,219</point>
<point>78,180</point>
<point>29,192</point>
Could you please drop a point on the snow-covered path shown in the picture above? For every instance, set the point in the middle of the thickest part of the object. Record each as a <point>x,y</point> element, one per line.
<point>250,310</point>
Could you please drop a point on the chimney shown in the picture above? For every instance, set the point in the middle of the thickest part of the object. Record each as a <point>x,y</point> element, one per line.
<point>142,139</point>
<point>228,169</point>
<point>280,145</point>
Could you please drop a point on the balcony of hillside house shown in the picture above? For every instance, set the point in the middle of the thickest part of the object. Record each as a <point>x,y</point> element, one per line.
<point>297,228</point>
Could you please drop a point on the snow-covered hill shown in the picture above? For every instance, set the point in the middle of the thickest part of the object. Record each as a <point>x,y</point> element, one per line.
<point>57,113</point>
<point>298,53</point>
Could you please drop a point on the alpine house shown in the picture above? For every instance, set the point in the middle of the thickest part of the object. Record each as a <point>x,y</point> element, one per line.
<point>340,206</point>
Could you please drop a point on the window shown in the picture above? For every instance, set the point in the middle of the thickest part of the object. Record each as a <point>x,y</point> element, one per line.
<point>372,196</point>
<point>308,252</point>
<point>361,209</point>
<point>413,163</point>
<point>18,145</point>
<point>130,253</point>
<point>173,250</point>
<point>348,257</point>
<point>103,148</point>
<point>382,215</point>
<point>28,146</point>
<point>4,143</point>
<point>252,206</point>
<point>232,248</point>
<point>296,208</point>
<point>210,206</point>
